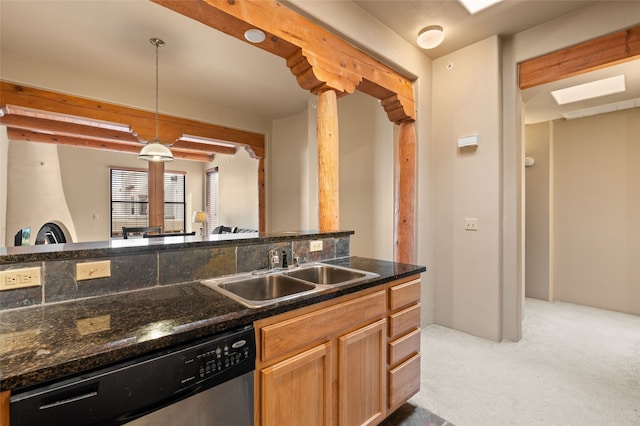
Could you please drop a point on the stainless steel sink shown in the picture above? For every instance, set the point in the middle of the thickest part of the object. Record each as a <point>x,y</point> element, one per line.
<point>259,290</point>
<point>269,287</point>
<point>320,273</point>
<point>266,287</point>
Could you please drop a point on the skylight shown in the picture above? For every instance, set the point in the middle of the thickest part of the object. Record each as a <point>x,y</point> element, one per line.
<point>475,6</point>
<point>595,89</point>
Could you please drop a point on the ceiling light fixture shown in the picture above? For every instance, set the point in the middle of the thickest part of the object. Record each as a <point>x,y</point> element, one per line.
<point>430,37</point>
<point>475,6</point>
<point>154,150</point>
<point>255,35</point>
<point>594,89</point>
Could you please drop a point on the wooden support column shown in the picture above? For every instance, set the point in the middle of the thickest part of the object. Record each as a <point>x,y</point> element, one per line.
<point>404,200</point>
<point>328,172</point>
<point>156,194</point>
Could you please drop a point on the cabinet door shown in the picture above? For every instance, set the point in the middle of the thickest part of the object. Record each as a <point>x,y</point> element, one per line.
<point>362,362</point>
<point>297,391</point>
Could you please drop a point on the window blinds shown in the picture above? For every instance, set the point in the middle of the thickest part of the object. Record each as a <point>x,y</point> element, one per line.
<point>130,200</point>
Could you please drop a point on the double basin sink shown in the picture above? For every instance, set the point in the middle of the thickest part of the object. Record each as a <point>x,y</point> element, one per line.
<point>257,289</point>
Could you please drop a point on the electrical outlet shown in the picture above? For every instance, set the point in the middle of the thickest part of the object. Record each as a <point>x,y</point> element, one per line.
<point>315,245</point>
<point>471,224</point>
<point>93,270</point>
<point>19,278</point>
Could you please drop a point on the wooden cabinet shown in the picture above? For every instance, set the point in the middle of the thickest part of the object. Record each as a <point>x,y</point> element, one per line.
<point>348,361</point>
<point>403,342</point>
<point>361,378</point>
<point>324,364</point>
<point>298,388</point>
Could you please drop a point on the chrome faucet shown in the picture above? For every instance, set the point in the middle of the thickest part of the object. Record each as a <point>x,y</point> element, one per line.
<point>274,258</point>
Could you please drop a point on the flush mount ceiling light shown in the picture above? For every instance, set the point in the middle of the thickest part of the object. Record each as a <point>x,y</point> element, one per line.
<point>430,37</point>
<point>255,35</point>
<point>475,6</point>
<point>154,150</point>
<point>594,89</point>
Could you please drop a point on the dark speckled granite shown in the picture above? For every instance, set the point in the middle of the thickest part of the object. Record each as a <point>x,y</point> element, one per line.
<point>46,342</point>
<point>61,284</point>
<point>194,264</point>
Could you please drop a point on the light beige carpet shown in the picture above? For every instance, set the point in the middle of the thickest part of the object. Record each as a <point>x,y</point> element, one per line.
<point>575,365</point>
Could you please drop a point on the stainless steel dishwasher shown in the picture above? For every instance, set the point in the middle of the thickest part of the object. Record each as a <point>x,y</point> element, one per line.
<point>208,382</point>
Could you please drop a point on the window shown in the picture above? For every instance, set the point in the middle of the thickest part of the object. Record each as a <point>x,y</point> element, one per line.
<point>130,200</point>
<point>211,200</point>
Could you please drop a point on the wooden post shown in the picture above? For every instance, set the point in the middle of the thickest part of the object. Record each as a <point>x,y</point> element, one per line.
<point>404,200</point>
<point>156,194</point>
<point>328,172</point>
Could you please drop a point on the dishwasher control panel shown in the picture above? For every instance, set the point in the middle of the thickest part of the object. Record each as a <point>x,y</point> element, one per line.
<point>214,358</point>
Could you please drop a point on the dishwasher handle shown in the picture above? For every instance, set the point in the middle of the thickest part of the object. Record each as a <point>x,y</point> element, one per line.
<point>69,396</point>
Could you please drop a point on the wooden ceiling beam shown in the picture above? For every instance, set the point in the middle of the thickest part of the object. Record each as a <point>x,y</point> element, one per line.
<point>319,59</point>
<point>141,123</point>
<point>126,147</point>
<point>591,55</point>
<point>63,128</point>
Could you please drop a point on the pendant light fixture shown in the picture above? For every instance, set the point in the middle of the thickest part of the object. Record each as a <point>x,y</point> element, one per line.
<point>154,150</point>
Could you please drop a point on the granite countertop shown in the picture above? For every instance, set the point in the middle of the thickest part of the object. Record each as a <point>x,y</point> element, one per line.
<point>48,342</point>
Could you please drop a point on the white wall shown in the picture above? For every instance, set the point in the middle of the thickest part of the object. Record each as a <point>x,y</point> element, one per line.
<point>466,99</point>
<point>596,243</point>
<point>4,150</point>
<point>538,208</point>
<point>289,163</point>
<point>366,175</point>
<point>237,190</point>
<point>35,194</point>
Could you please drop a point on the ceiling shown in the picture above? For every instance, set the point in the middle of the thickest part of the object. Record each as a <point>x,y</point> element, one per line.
<point>109,42</point>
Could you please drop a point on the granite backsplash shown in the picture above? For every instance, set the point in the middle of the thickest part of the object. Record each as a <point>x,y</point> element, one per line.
<point>139,267</point>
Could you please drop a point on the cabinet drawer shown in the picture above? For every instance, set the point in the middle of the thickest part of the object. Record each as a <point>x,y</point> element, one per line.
<point>404,382</point>
<point>404,294</point>
<point>404,320</point>
<point>289,335</point>
<point>403,347</point>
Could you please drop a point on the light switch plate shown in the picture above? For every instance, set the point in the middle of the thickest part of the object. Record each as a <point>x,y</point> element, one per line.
<point>93,270</point>
<point>315,245</point>
<point>471,224</point>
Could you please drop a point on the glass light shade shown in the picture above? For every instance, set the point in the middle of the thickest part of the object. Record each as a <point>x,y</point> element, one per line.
<point>430,37</point>
<point>199,217</point>
<point>155,151</point>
